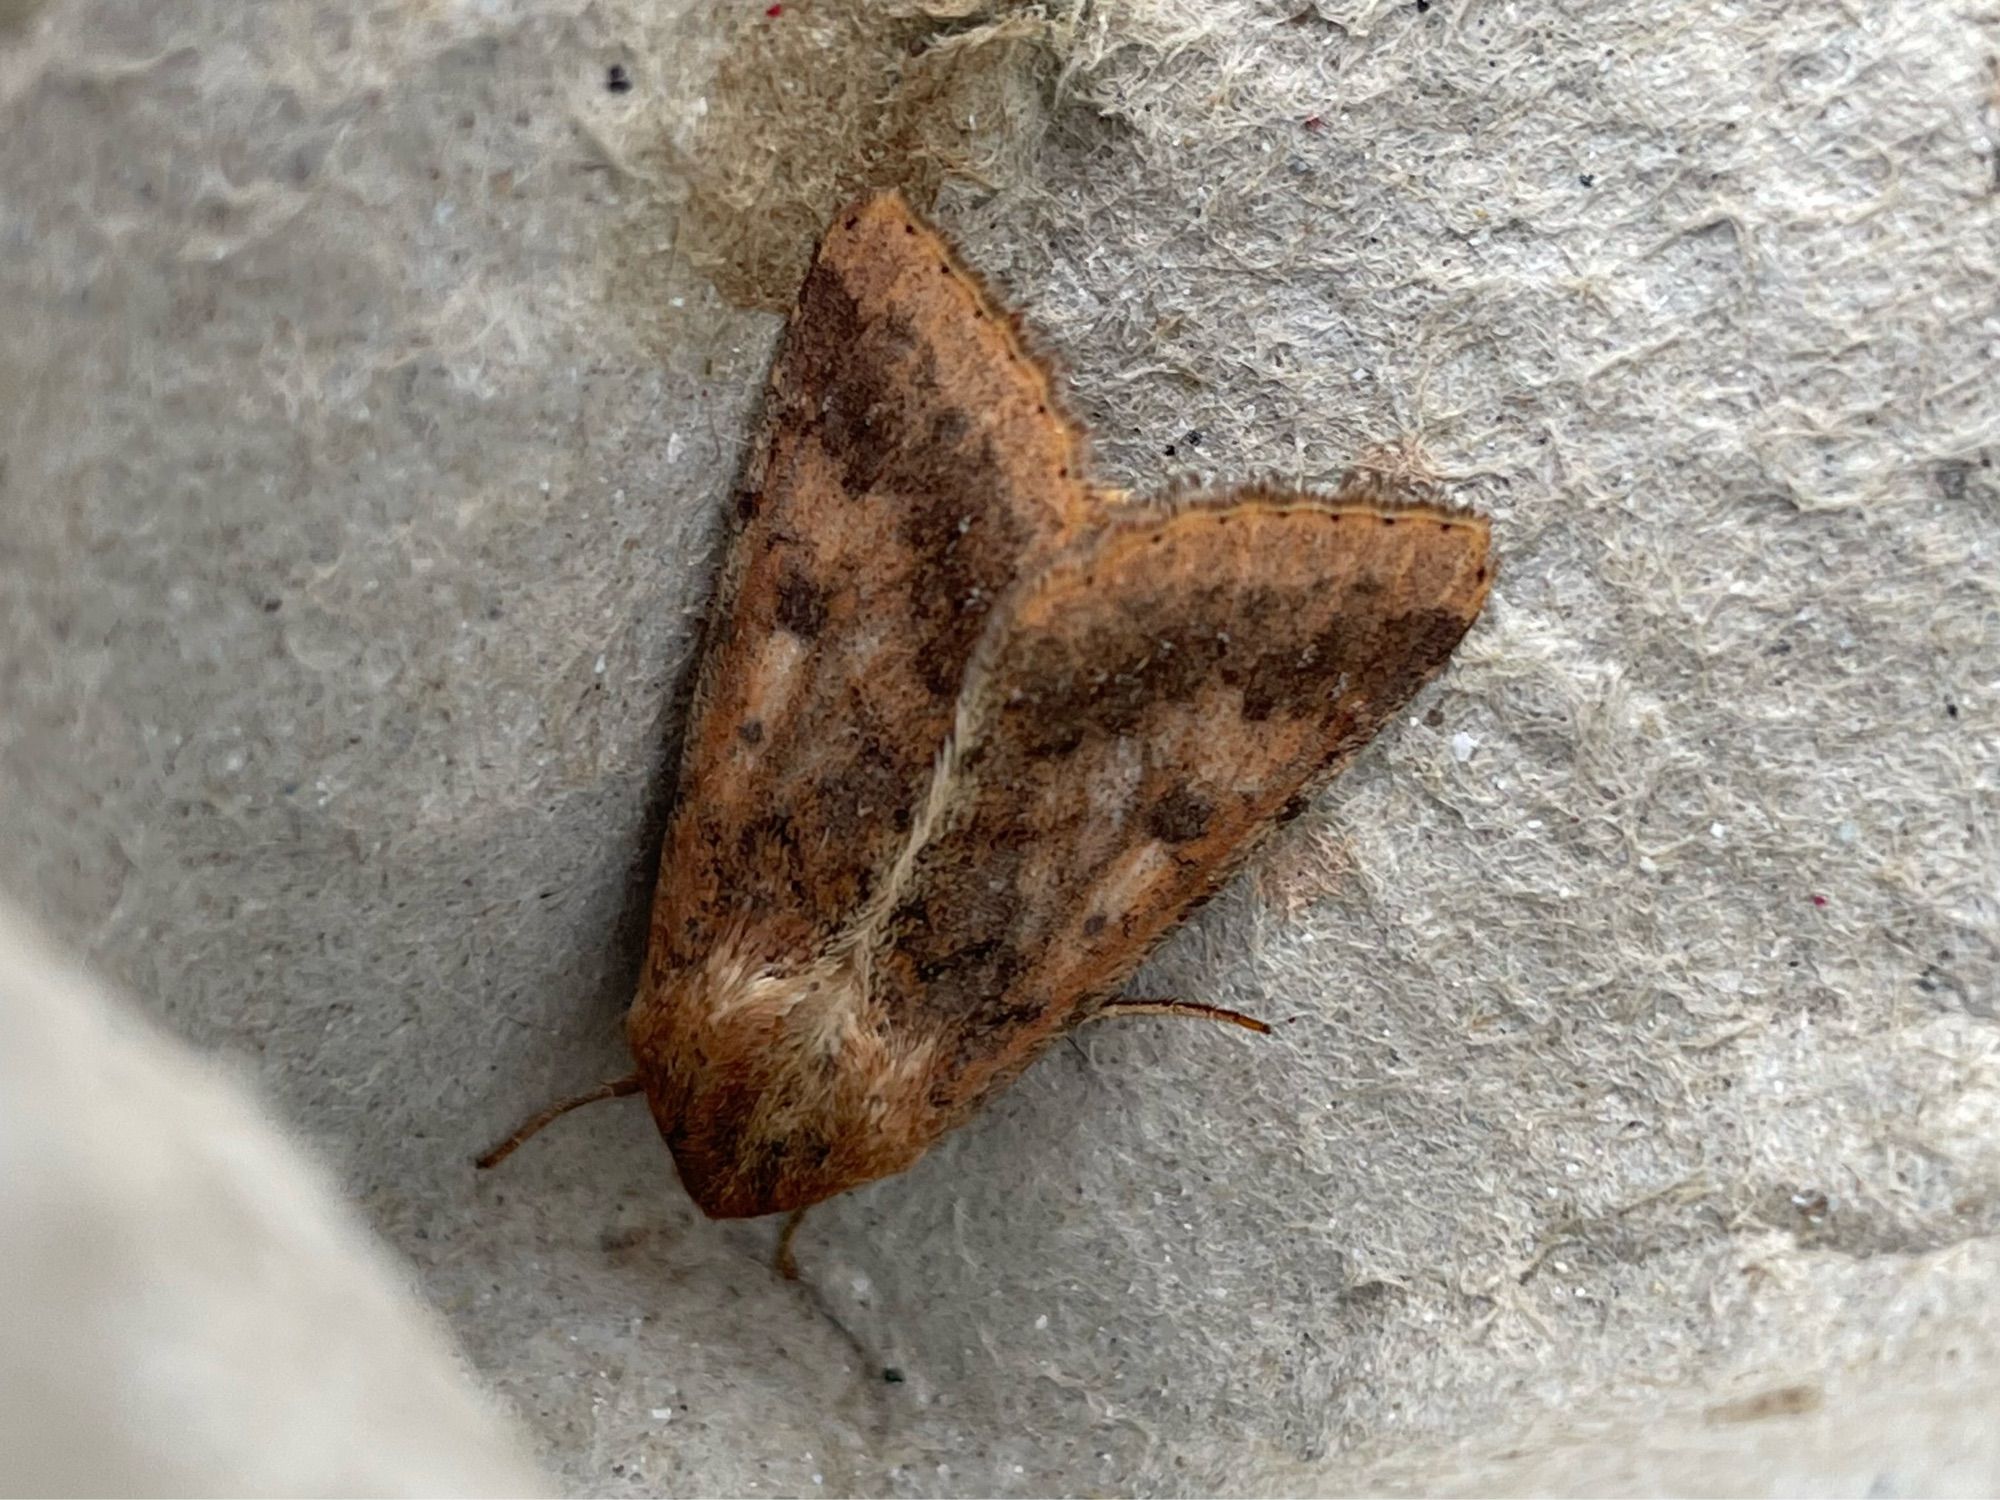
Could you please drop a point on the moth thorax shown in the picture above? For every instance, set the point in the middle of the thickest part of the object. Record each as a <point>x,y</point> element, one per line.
<point>776,1088</point>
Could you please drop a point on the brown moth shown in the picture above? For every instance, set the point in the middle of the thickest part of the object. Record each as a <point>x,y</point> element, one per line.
<point>970,735</point>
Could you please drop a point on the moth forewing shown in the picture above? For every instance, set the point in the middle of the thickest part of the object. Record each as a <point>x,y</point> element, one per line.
<point>970,736</point>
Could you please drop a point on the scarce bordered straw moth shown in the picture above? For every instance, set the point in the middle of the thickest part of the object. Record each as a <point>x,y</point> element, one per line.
<point>970,735</point>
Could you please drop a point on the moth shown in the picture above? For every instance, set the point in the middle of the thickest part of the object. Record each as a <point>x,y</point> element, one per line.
<point>970,735</point>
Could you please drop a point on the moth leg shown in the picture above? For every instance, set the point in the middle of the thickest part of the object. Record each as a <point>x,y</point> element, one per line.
<point>1182,1008</point>
<point>783,1262</point>
<point>617,1088</point>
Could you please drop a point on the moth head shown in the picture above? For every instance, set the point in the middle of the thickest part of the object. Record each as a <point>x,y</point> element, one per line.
<point>778,1088</point>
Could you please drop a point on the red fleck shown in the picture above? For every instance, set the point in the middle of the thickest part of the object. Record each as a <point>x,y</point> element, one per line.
<point>774,10</point>
<point>1313,122</point>
<point>1819,900</point>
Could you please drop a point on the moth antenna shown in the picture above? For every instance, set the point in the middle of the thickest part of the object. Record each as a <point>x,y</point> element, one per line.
<point>783,1261</point>
<point>1182,1008</point>
<point>617,1088</point>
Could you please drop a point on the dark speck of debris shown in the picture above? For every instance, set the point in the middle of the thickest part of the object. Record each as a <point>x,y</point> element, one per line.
<point>618,80</point>
<point>1588,179</point>
<point>1950,708</point>
<point>272,606</point>
<point>1785,1401</point>
<point>1422,6</point>
<point>892,1375</point>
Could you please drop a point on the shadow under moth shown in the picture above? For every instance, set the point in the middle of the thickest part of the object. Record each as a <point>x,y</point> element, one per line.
<point>971,735</point>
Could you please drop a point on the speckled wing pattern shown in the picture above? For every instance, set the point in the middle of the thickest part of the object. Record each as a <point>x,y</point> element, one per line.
<point>913,467</point>
<point>1139,716</point>
<point>968,736</point>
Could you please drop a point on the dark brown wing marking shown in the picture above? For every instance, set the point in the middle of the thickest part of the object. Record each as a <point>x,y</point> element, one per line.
<point>1136,719</point>
<point>913,467</point>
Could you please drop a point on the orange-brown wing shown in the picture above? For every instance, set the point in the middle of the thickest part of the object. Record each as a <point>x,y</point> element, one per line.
<point>1137,718</point>
<point>912,467</point>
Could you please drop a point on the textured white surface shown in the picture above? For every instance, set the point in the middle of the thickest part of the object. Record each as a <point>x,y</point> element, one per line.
<point>359,473</point>
<point>190,1308</point>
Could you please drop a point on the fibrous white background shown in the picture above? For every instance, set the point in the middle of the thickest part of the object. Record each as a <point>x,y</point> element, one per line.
<point>370,387</point>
